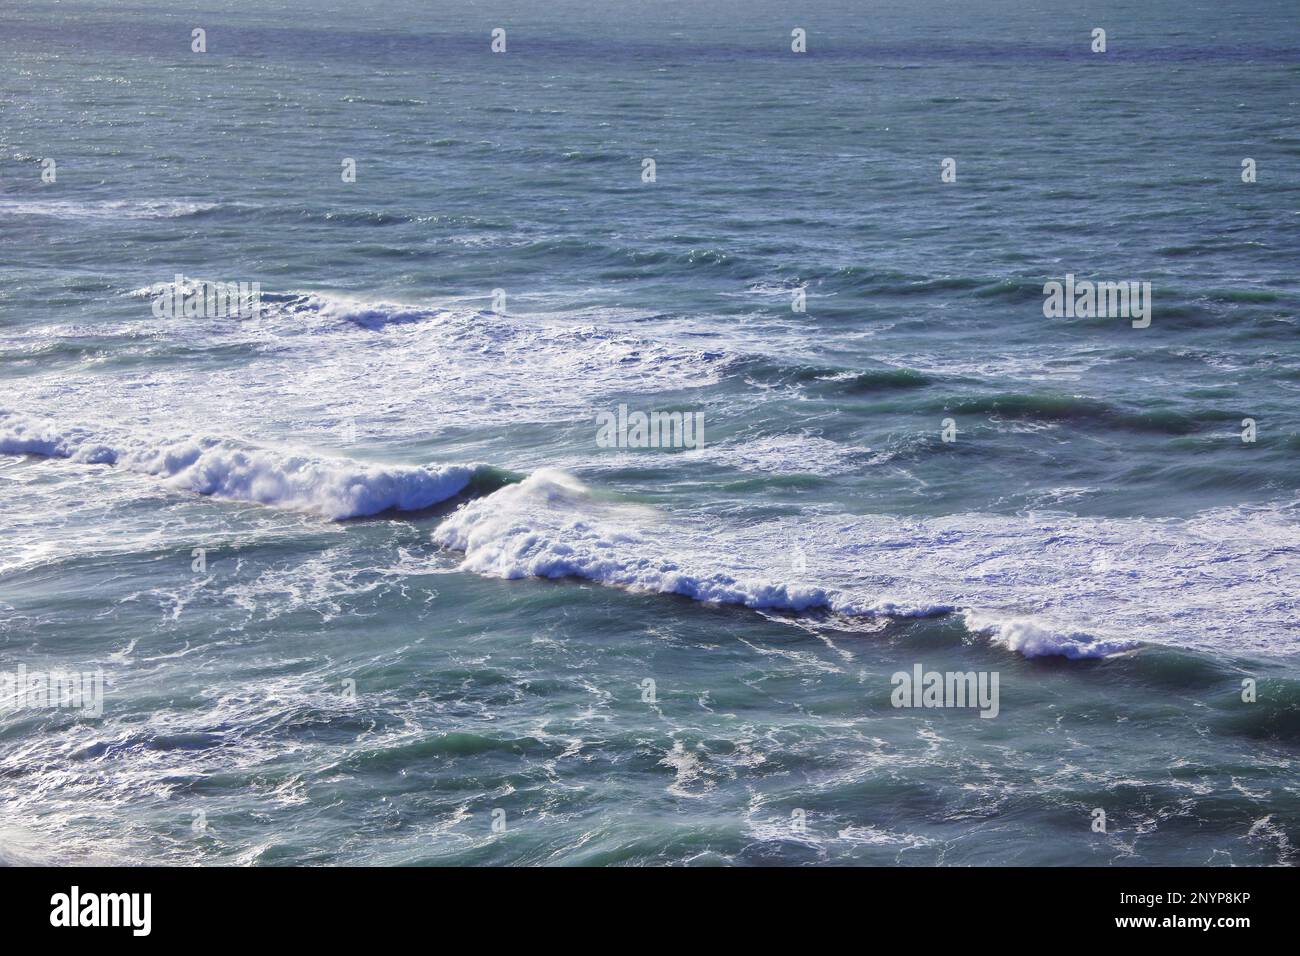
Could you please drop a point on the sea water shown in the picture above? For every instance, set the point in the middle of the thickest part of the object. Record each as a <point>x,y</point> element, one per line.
<point>363,584</point>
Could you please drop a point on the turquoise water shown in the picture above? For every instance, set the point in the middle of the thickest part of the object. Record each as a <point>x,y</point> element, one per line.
<point>429,600</point>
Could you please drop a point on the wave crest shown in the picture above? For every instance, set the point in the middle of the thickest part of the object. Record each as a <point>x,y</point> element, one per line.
<point>1031,637</point>
<point>550,526</point>
<point>334,488</point>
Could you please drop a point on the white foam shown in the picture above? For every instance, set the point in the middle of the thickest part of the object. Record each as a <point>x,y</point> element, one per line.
<point>550,526</point>
<point>1037,638</point>
<point>314,359</point>
<point>334,488</point>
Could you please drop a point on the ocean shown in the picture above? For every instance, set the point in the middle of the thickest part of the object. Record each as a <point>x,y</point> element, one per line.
<point>629,408</point>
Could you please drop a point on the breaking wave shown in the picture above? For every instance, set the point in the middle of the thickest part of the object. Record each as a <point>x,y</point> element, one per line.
<point>1033,638</point>
<point>550,526</point>
<point>334,488</point>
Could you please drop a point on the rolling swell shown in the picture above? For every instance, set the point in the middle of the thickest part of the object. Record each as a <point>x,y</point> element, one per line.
<point>831,379</point>
<point>1048,407</point>
<point>1273,715</point>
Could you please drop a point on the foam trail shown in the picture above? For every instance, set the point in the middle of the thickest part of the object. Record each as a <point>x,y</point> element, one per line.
<point>334,488</point>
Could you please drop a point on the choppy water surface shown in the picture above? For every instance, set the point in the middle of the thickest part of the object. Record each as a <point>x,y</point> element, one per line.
<point>428,598</point>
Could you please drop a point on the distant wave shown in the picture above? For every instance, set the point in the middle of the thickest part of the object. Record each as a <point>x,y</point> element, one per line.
<point>1048,407</point>
<point>336,307</point>
<point>104,208</point>
<point>356,310</point>
<point>335,488</point>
